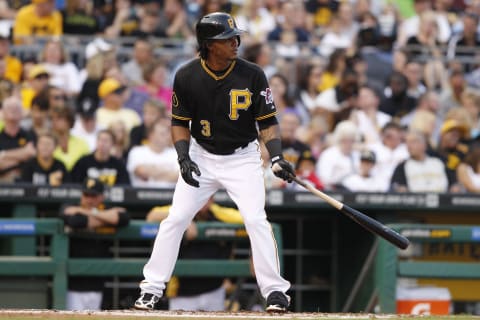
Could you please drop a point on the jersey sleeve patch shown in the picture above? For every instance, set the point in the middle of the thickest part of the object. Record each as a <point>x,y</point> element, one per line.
<point>267,93</point>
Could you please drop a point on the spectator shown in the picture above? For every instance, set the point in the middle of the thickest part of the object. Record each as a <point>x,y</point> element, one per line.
<point>468,171</point>
<point>414,72</point>
<point>155,163</point>
<point>175,16</point>
<point>6,11</point>
<point>79,19</point>
<point>320,13</point>
<point>38,121</point>
<point>40,18</point>
<point>101,164</point>
<point>309,79</point>
<point>13,66</point>
<point>70,148</point>
<point>451,149</point>
<point>420,172</point>
<point>290,11</point>
<point>38,78</point>
<point>261,54</point>
<point>367,117</point>
<point>471,103</point>
<point>85,293</point>
<point>464,45</point>
<point>305,169</point>
<point>199,293</point>
<point>44,169</point>
<point>411,26</point>
<point>337,103</point>
<point>340,159</point>
<point>100,56</point>
<point>86,126</point>
<point>425,46</point>
<point>16,146</point>
<point>364,179</point>
<point>315,134</point>
<point>334,38</point>
<point>122,20</point>
<point>389,152</point>
<point>149,24</point>
<point>337,63</point>
<point>111,91</point>
<point>429,101</point>
<point>283,100</point>
<point>63,73</point>
<point>424,121</point>
<point>155,74</point>
<point>292,148</point>
<point>121,142</point>
<point>451,97</point>
<point>141,56</point>
<point>134,98</point>
<point>395,101</point>
<point>153,110</point>
<point>256,20</point>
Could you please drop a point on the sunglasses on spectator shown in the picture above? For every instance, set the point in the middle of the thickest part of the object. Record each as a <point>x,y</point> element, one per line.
<point>59,97</point>
<point>42,76</point>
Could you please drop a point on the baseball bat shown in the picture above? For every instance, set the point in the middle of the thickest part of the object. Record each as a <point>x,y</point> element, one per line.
<point>365,221</point>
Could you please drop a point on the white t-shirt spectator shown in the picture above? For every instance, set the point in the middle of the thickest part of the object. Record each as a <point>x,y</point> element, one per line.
<point>333,166</point>
<point>144,155</point>
<point>64,76</point>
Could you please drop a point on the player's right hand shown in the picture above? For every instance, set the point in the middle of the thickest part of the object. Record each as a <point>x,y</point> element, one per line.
<point>187,166</point>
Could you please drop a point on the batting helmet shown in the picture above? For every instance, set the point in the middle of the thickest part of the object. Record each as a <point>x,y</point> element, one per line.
<point>217,25</point>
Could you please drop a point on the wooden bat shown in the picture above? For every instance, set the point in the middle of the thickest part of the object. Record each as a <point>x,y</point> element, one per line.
<point>365,221</point>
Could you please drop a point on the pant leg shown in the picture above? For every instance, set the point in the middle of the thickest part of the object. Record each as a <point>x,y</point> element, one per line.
<point>242,177</point>
<point>187,201</point>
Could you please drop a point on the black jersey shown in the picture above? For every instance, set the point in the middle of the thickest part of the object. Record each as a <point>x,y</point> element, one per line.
<point>223,110</point>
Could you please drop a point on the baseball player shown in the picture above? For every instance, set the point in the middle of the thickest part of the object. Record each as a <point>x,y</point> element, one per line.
<point>219,100</point>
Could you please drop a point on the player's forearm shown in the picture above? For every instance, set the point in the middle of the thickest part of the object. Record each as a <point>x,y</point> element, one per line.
<point>269,133</point>
<point>180,133</point>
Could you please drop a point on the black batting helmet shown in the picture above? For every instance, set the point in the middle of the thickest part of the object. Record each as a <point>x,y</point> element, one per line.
<point>217,25</point>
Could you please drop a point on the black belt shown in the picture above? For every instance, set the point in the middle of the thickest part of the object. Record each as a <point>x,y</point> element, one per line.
<point>211,149</point>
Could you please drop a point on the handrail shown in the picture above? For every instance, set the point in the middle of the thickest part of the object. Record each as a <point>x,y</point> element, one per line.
<point>59,266</point>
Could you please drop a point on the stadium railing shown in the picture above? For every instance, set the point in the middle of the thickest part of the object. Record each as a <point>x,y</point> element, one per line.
<point>389,266</point>
<point>60,266</point>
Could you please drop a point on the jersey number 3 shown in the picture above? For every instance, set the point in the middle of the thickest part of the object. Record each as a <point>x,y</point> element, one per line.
<point>239,100</point>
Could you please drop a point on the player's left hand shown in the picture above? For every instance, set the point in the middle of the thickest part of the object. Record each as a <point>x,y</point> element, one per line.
<point>283,169</point>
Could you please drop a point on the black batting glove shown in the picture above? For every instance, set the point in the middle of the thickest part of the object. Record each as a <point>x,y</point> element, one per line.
<point>187,166</point>
<point>282,169</point>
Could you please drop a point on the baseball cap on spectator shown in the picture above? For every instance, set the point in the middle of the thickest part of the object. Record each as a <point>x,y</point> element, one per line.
<point>108,86</point>
<point>37,71</point>
<point>368,155</point>
<point>92,187</point>
<point>97,46</point>
<point>452,124</point>
<point>306,156</point>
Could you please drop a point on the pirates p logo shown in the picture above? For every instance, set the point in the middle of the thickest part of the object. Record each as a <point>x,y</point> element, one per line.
<point>174,100</point>
<point>230,22</point>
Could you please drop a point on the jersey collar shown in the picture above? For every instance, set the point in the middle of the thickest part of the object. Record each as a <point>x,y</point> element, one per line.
<point>213,75</point>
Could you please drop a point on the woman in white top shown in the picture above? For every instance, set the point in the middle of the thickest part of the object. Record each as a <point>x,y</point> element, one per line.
<point>468,172</point>
<point>63,74</point>
<point>341,158</point>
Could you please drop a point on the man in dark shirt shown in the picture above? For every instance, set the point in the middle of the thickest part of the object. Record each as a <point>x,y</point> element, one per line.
<point>85,293</point>
<point>44,169</point>
<point>153,110</point>
<point>101,164</point>
<point>16,144</point>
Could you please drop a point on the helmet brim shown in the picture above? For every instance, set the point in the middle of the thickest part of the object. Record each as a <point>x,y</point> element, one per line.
<point>228,34</point>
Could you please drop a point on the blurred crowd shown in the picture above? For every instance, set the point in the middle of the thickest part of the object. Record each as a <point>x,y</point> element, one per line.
<point>372,95</point>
